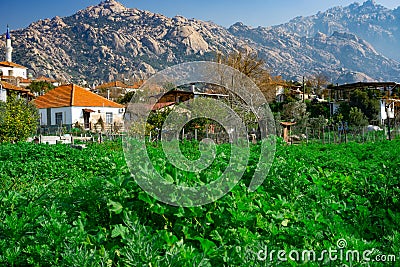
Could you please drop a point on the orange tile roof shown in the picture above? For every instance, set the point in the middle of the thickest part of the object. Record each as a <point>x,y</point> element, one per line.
<point>23,80</point>
<point>13,87</point>
<point>11,78</point>
<point>159,106</point>
<point>45,79</point>
<point>138,84</point>
<point>120,84</point>
<point>11,64</point>
<point>73,95</point>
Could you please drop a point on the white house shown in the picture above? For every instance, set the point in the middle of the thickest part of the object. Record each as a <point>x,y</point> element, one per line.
<point>9,70</point>
<point>69,105</point>
<point>8,88</point>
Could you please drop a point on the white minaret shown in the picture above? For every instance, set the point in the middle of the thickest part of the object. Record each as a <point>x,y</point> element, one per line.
<point>9,48</point>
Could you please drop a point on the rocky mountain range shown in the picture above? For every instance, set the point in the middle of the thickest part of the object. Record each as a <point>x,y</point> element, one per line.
<point>110,41</point>
<point>372,22</point>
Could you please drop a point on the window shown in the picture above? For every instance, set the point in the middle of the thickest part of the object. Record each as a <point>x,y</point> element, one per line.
<point>59,118</point>
<point>109,118</point>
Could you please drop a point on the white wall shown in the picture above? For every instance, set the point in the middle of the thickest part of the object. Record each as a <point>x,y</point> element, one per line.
<point>43,116</point>
<point>77,114</point>
<point>66,111</point>
<point>334,107</point>
<point>16,72</point>
<point>71,115</point>
<point>3,95</point>
<point>383,115</point>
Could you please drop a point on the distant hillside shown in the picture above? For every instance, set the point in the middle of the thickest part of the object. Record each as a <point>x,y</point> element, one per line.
<point>109,41</point>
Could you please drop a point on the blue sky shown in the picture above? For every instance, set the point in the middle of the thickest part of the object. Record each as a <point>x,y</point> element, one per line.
<point>20,13</point>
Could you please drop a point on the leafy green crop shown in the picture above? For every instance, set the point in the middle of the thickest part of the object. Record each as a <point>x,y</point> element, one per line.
<point>65,207</point>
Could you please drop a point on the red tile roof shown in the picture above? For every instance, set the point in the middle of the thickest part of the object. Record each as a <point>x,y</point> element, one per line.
<point>11,64</point>
<point>73,95</point>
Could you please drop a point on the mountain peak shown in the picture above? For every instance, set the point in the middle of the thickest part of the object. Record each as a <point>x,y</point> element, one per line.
<point>370,6</point>
<point>369,3</point>
<point>238,26</point>
<point>112,5</point>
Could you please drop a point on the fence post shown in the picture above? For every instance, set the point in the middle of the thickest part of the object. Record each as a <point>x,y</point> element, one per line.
<point>363,134</point>
<point>329,135</point>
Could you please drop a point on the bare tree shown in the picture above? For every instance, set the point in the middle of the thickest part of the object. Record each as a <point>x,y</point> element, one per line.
<point>318,82</point>
<point>252,66</point>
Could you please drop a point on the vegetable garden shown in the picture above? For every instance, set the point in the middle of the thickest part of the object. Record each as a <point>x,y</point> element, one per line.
<point>67,207</point>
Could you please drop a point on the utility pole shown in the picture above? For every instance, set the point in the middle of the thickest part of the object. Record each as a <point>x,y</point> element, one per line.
<point>389,134</point>
<point>304,90</point>
<point>387,106</point>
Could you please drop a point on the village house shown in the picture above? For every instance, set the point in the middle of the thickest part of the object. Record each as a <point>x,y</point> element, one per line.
<point>10,70</point>
<point>183,94</point>
<point>7,88</point>
<point>116,89</point>
<point>389,102</point>
<point>72,106</point>
<point>47,80</point>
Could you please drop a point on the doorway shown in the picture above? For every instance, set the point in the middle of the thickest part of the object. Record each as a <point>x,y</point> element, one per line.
<point>86,118</point>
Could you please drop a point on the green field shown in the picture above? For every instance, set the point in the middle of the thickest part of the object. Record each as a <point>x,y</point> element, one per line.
<point>66,207</point>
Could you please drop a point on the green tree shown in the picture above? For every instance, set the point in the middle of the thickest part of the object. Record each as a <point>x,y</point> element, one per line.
<point>40,87</point>
<point>317,109</point>
<point>295,111</point>
<point>343,112</point>
<point>18,120</point>
<point>362,100</point>
<point>156,120</point>
<point>126,98</point>
<point>357,117</point>
<point>366,103</point>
